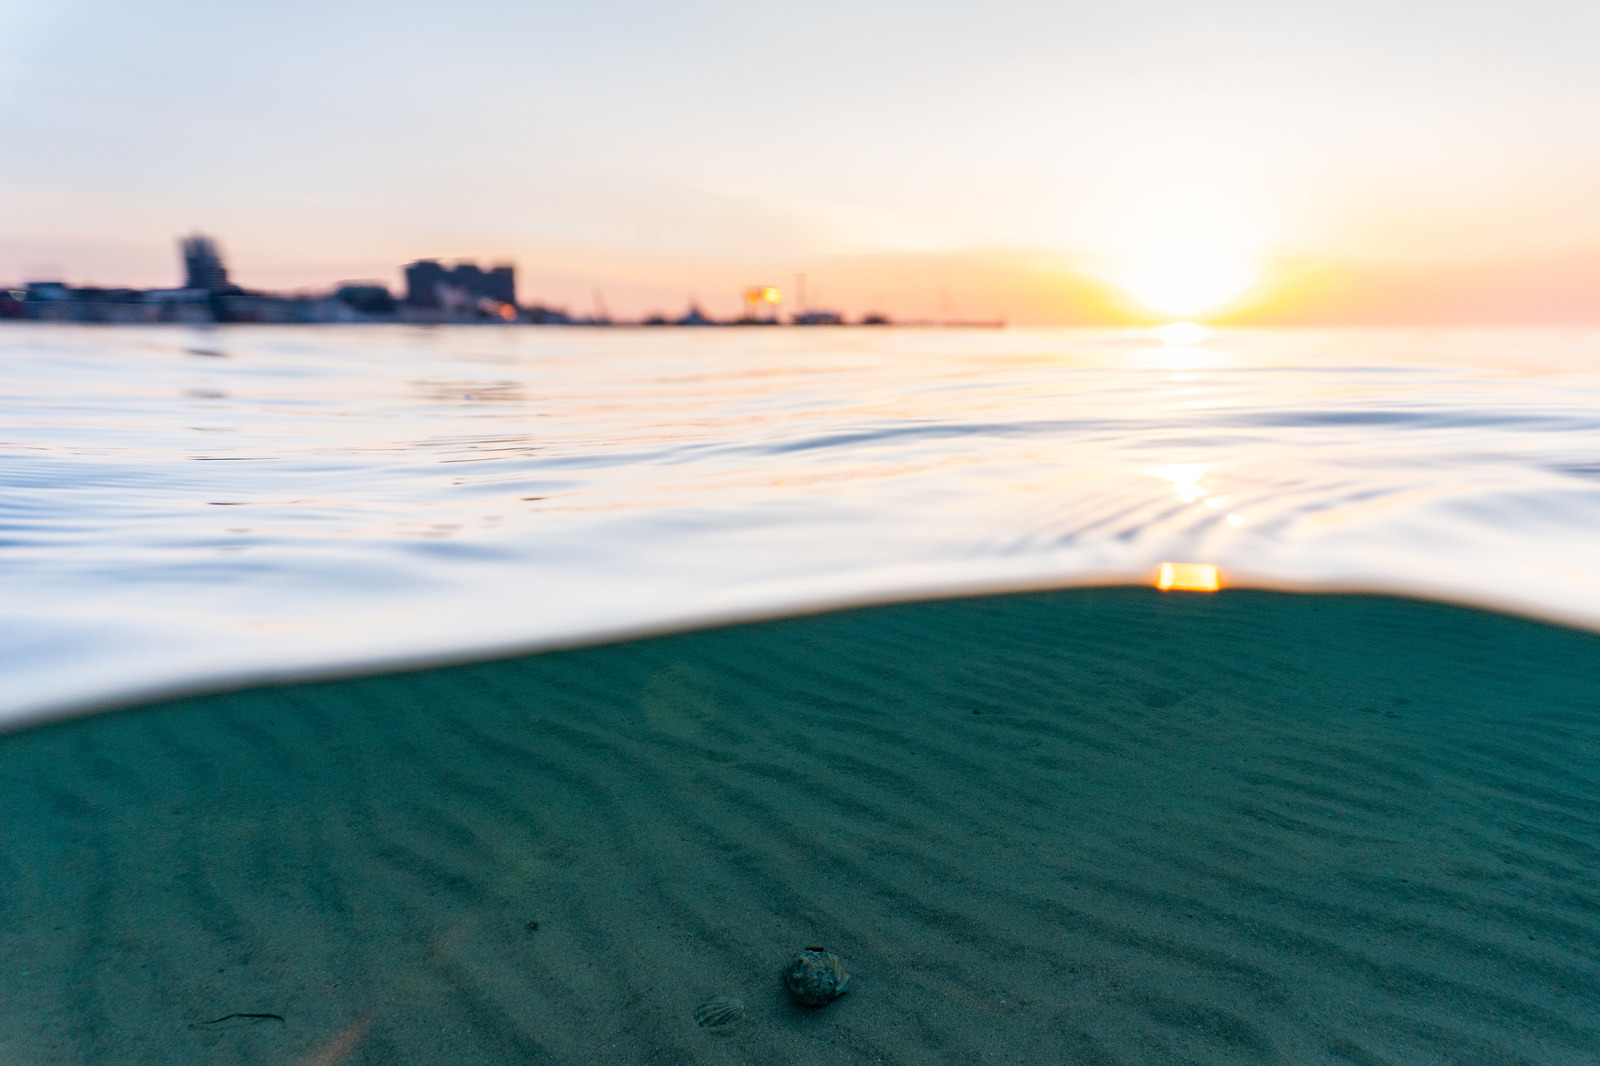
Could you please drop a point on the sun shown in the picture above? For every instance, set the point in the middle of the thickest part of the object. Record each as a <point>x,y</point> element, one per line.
<point>1183,277</point>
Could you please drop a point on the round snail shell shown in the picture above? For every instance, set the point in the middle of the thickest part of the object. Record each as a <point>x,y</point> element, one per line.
<point>815,977</point>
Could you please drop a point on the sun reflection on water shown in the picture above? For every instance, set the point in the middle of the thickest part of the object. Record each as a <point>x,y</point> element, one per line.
<point>1188,577</point>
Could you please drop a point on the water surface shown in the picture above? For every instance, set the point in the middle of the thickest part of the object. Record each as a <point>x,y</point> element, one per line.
<point>184,508</point>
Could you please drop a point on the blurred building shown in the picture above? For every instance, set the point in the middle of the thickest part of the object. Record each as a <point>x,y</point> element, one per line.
<point>540,315</point>
<point>459,289</point>
<point>460,293</point>
<point>202,264</point>
<point>818,318</point>
<point>370,298</point>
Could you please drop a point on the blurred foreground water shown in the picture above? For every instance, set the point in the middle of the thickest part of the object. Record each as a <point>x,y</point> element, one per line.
<point>182,508</point>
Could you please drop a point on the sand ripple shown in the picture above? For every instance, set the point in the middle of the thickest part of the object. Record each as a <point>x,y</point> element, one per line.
<point>1083,827</point>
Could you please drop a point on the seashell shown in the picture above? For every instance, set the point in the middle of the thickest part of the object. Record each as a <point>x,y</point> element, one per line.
<point>718,1011</point>
<point>815,977</point>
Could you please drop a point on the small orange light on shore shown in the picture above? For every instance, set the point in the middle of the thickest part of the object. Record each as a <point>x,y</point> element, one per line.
<point>1188,577</point>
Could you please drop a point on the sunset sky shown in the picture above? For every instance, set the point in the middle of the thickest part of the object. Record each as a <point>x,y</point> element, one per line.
<point>1359,161</point>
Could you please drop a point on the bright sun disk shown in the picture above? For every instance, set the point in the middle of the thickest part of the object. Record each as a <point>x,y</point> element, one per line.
<point>1185,277</point>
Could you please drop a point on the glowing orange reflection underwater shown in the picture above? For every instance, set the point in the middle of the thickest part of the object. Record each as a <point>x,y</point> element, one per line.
<point>1188,577</point>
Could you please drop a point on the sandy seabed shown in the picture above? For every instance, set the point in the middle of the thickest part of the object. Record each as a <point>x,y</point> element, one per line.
<point>1106,826</point>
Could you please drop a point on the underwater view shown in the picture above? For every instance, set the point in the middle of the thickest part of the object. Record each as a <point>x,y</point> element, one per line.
<point>1099,826</point>
<point>392,695</point>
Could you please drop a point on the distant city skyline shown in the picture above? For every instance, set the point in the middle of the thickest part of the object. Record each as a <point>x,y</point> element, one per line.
<point>435,293</point>
<point>1042,162</point>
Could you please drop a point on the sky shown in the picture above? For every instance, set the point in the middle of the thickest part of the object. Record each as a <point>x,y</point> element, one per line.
<point>1405,161</point>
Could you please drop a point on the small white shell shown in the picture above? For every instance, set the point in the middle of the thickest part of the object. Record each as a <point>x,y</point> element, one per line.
<point>718,1011</point>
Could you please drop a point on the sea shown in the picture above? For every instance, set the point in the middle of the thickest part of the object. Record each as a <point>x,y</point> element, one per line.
<point>535,694</point>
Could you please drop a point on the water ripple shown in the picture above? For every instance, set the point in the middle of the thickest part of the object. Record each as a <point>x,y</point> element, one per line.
<point>324,498</point>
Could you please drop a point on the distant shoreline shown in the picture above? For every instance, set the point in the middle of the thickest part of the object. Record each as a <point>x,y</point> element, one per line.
<point>492,323</point>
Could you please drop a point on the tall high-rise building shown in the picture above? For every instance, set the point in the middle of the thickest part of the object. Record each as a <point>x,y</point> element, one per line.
<point>500,283</point>
<point>425,279</point>
<point>202,264</point>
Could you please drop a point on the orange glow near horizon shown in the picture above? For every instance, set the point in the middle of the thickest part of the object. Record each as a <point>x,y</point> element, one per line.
<point>1188,577</point>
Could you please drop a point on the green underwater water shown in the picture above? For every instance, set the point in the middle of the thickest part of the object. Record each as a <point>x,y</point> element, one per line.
<point>1088,826</point>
